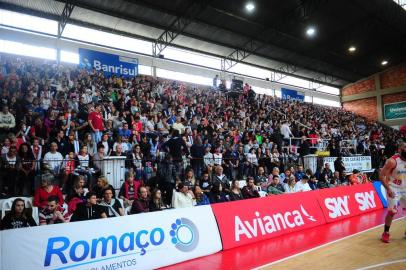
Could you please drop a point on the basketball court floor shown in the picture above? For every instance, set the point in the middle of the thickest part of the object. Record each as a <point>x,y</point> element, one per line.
<point>348,244</point>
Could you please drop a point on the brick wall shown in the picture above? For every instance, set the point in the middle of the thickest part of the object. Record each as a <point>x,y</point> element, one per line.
<point>364,107</point>
<point>394,77</point>
<point>394,98</point>
<point>359,87</point>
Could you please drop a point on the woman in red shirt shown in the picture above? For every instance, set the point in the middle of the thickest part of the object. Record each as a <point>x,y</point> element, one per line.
<point>44,191</point>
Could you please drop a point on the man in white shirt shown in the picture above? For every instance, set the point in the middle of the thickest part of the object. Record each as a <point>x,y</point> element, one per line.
<point>303,184</point>
<point>178,125</point>
<point>285,131</point>
<point>53,158</point>
<point>183,197</point>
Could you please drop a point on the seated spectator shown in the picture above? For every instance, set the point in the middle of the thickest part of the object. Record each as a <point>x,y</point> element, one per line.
<point>221,178</point>
<point>77,189</point>
<point>357,178</point>
<point>118,151</point>
<point>333,183</point>
<point>303,184</point>
<point>44,191</point>
<point>261,179</point>
<point>250,190</point>
<point>141,204</point>
<point>189,180</point>
<point>201,198</point>
<point>338,180</point>
<point>101,185</point>
<point>299,174</point>
<point>235,192</point>
<point>205,182</point>
<point>7,120</point>
<point>326,173</point>
<point>18,217</point>
<point>313,182</point>
<point>128,190</point>
<point>89,210</point>
<point>156,203</point>
<point>216,194</point>
<point>183,197</point>
<point>113,206</point>
<point>275,187</point>
<point>290,185</point>
<point>53,213</point>
<point>323,182</point>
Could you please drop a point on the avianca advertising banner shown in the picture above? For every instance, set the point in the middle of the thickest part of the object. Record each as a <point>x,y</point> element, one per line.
<point>144,241</point>
<point>248,221</point>
<point>344,202</point>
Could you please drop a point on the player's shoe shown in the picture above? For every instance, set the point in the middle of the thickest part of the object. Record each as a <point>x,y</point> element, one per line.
<point>385,237</point>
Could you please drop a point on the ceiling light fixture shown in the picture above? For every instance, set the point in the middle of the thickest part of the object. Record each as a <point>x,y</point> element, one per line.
<point>384,62</point>
<point>311,31</point>
<point>352,49</point>
<point>250,6</point>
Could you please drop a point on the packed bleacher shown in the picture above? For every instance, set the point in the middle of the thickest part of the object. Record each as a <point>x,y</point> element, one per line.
<point>183,145</point>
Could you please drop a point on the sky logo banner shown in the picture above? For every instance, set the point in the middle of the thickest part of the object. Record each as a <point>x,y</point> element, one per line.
<point>145,241</point>
<point>289,94</point>
<point>110,64</point>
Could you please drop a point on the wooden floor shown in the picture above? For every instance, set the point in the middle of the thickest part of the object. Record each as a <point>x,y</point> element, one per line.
<point>363,251</point>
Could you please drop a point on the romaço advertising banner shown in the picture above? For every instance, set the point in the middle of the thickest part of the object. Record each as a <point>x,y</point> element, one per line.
<point>344,202</point>
<point>360,163</point>
<point>110,64</point>
<point>144,241</point>
<point>394,111</point>
<point>248,221</point>
<point>289,94</point>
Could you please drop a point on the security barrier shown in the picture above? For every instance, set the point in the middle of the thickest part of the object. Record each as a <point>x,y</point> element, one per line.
<point>153,240</point>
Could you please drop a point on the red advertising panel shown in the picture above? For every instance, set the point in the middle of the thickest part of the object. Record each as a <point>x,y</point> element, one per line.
<point>344,202</point>
<point>249,221</point>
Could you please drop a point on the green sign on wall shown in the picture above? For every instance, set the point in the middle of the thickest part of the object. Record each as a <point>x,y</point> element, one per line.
<point>393,111</point>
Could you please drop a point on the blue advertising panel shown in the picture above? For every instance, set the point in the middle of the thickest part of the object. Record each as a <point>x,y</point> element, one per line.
<point>380,189</point>
<point>289,94</point>
<point>111,64</point>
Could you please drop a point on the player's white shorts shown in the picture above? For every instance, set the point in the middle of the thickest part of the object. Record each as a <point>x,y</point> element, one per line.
<point>398,199</point>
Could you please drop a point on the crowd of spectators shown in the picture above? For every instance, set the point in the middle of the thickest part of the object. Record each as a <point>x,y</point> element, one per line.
<point>183,145</point>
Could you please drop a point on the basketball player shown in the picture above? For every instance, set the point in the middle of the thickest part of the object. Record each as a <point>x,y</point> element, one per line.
<point>393,176</point>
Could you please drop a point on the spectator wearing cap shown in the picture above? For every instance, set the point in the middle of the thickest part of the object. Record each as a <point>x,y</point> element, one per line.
<point>303,184</point>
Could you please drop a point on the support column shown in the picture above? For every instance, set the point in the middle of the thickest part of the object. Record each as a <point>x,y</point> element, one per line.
<point>153,71</point>
<point>379,103</point>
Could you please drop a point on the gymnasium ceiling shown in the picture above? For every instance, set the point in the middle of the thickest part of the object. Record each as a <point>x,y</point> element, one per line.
<point>272,36</point>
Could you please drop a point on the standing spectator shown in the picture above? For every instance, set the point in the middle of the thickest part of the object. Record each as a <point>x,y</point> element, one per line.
<point>250,190</point>
<point>7,122</point>
<point>286,132</point>
<point>113,206</point>
<point>53,213</point>
<point>10,167</point>
<point>17,217</point>
<point>89,210</point>
<point>168,177</point>
<point>26,178</point>
<point>339,166</point>
<point>303,184</point>
<point>197,154</point>
<point>95,120</point>
<point>175,146</point>
<point>53,159</point>
<point>304,149</point>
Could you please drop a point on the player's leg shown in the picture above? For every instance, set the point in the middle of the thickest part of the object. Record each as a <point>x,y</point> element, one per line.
<point>402,204</point>
<point>392,210</point>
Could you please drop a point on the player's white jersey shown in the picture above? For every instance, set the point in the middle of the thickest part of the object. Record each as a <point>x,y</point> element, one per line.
<point>398,176</point>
